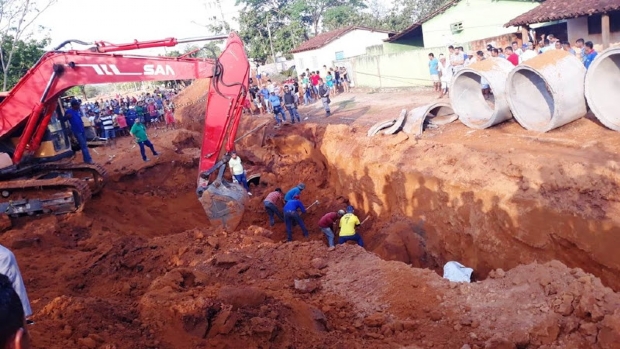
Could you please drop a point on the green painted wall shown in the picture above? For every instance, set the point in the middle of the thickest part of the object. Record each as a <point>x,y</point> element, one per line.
<point>394,70</point>
<point>481,19</point>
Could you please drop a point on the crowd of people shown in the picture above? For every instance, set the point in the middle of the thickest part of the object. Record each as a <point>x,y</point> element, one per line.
<point>442,70</point>
<point>114,117</point>
<point>271,97</point>
<point>120,116</point>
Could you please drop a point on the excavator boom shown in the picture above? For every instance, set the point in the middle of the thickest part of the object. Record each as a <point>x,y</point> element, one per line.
<point>29,106</point>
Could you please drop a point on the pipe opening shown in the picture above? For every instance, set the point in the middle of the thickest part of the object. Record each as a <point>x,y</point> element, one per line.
<point>470,103</point>
<point>604,81</point>
<point>530,99</point>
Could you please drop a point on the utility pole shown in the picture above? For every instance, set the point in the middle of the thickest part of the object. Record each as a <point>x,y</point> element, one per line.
<point>273,55</point>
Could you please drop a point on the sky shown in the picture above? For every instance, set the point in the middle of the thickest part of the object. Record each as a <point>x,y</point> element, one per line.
<point>123,21</point>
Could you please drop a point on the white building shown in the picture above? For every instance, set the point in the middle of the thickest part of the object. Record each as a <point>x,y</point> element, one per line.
<point>331,47</point>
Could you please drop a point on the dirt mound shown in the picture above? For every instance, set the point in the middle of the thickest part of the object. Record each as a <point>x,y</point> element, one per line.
<point>191,105</point>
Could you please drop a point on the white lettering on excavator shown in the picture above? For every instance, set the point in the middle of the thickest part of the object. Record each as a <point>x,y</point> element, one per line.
<point>151,69</point>
<point>112,69</point>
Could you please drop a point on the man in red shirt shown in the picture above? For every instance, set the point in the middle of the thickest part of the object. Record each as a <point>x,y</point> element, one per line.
<point>511,56</point>
<point>327,222</point>
<point>271,203</point>
<point>314,79</point>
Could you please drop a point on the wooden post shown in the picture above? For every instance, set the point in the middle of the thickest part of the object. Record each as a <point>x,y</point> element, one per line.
<point>605,30</point>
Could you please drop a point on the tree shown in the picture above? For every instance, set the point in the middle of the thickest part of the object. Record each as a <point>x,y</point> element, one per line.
<point>24,54</point>
<point>16,18</point>
<point>406,12</point>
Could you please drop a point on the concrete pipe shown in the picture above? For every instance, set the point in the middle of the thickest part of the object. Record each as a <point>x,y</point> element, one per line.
<point>547,91</point>
<point>603,87</point>
<point>466,93</point>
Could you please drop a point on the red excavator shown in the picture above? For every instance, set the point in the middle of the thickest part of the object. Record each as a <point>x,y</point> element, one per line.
<point>36,174</point>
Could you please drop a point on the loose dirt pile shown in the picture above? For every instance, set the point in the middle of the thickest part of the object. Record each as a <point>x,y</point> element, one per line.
<point>141,268</point>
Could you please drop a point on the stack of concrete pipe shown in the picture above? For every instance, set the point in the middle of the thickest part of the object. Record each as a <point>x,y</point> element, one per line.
<point>603,87</point>
<point>542,93</point>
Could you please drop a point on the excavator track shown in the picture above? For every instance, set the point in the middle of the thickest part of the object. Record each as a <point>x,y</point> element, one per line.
<point>98,173</point>
<point>30,197</point>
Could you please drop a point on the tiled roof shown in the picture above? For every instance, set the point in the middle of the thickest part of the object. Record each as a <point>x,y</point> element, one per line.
<point>325,38</point>
<point>553,10</point>
<point>417,24</point>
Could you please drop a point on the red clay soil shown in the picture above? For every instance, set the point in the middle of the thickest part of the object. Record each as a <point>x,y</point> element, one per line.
<point>141,268</point>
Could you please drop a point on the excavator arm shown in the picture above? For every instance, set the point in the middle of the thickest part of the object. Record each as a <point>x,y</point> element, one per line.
<point>30,104</point>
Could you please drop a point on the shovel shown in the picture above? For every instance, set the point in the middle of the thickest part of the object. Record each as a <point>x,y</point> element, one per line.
<point>314,203</point>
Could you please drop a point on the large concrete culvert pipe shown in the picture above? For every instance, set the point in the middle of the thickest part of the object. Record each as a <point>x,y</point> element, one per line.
<point>603,87</point>
<point>547,91</point>
<point>466,93</point>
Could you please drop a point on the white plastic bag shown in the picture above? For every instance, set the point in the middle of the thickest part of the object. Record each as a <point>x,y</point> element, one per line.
<point>457,272</point>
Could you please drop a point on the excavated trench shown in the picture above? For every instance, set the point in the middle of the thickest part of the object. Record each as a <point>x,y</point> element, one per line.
<point>431,203</point>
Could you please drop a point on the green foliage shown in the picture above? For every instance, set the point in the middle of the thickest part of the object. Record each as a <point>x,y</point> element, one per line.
<point>25,55</point>
<point>292,22</point>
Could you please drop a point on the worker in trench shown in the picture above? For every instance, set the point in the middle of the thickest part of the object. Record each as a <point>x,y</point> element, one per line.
<point>237,171</point>
<point>295,191</point>
<point>271,203</point>
<point>13,333</point>
<point>348,223</point>
<point>291,216</point>
<point>138,130</point>
<point>326,223</point>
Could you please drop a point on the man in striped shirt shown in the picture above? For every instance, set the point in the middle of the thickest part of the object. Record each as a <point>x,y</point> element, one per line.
<point>108,125</point>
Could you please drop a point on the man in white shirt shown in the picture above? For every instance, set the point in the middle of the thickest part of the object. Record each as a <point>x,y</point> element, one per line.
<point>9,267</point>
<point>446,71</point>
<point>237,171</point>
<point>457,59</point>
<point>528,53</point>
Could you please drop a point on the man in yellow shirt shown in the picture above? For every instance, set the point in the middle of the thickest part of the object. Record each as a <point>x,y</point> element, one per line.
<point>347,225</point>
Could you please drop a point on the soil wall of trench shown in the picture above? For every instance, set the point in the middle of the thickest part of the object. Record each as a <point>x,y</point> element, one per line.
<point>433,202</point>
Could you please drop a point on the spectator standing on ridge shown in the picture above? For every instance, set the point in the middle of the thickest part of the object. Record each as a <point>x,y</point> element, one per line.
<point>291,104</point>
<point>590,54</point>
<point>324,94</point>
<point>445,69</point>
<point>433,65</point>
<point>581,50</point>
<point>74,116</point>
<point>326,223</point>
<point>271,203</point>
<point>237,171</point>
<point>511,56</point>
<point>139,132</point>
<point>276,106</point>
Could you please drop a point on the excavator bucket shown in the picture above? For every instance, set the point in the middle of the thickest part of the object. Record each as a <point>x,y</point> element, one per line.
<point>223,202</point>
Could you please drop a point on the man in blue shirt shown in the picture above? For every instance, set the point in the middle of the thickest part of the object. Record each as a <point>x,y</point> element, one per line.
<point>265,93</point>
<point>291,216</point>
<point>74,116</point>
<point>590,54</point>
<point>296,191</point>
<point>433,68</point>
<point>277,107</point>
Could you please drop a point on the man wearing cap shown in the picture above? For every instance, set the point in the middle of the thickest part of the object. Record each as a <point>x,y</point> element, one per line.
<point>348,222</point>
<point>326,223</point>
<point>74,116</point>
<point>271,203</point>
<point>292,216</point>
<point>296,191</point>
<point>237,171</point>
